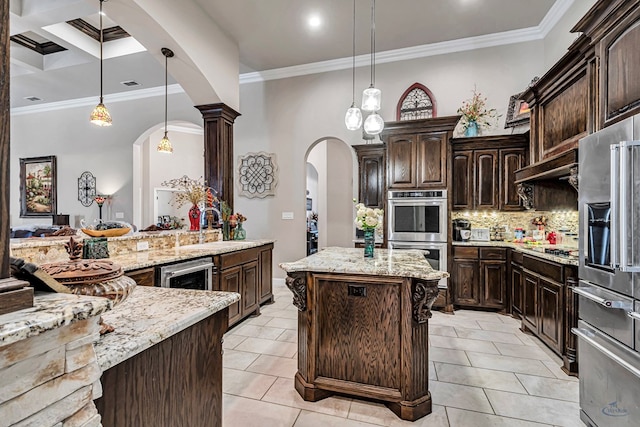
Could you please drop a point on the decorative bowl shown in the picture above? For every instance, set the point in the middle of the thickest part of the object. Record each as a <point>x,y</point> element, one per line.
<point>111,232</point>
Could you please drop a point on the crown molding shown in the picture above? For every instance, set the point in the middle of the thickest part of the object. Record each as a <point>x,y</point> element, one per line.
<point>554,15</point>
<point>108,99</point>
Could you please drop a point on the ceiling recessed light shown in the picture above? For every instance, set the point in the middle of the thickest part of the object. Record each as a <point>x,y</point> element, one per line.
<point>314,21</point>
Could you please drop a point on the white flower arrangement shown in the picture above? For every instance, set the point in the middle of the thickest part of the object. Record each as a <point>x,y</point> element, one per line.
<point>368,218</point>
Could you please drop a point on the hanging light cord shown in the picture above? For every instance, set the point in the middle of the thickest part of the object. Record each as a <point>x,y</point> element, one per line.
<point>353,67</point>
<point>101,41</point>
<point>373,42</point>
<point>166,61</point>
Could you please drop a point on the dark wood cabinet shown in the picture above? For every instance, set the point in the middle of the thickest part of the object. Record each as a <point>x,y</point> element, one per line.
<point>478,277</point>
<point>143,276</point>
<point>483,172</point>
<point>465,282</point>
<point>371,173</point>
<point>230,281</point>
<point>530,301</point>
<point>550,326</point>
<point>266,274</point>
<point>515,284</point>
<point>493,281</point>
<point>417,152</point>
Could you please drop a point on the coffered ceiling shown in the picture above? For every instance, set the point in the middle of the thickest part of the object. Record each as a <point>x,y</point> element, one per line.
<point>271,34</point>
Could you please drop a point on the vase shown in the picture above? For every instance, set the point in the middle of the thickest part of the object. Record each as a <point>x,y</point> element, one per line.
<point>225,230</point>
<point>194,218</point>
<point>471,129</point>
<point>369,243</point>
<point>240,232</point>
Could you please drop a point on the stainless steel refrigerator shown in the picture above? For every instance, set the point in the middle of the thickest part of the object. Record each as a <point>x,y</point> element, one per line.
<point>609,289</point>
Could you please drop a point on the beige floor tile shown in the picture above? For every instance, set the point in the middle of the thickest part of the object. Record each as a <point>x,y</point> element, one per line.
<point>525,351</point>
<point>284,393</point>
<point>498,337</point>
<point>230,341</point>
<point>242,412</point>
<point>289,335</point>
<point>550,387</point>
<point>462,418</point>
<point>245,384</point>
<point>271,347</point>
<point>509,364</point>
<point>379,414</point>
<point>432,372</point>
<point>478,377</point>
<point>452,321</point>
<point>510,320</point>
<point>278,322</point>
<point>287,313</point>
<point>314,419</point>
<point>554,367</point>
<point>459,396</point>
<point>447,355</point>
<point>537,409</point>
<point>273,365</point>
<point>443,331</point>
<point>486,316</point>
<point>499,326</point>
<point>238,359</point>
<point>258,320</point>
<point>463,344</point>
<point>265,332</point>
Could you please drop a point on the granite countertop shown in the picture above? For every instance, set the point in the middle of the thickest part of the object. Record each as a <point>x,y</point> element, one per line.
<point>535,250</point>
<point>386,262</point>
<point>151,315</point>
<point>143,259</point>
<point>49,311</point>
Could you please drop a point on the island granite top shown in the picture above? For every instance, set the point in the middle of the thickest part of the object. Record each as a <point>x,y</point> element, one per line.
<point>151,315</point>
<point>49,311</point>
<point>385,262</point>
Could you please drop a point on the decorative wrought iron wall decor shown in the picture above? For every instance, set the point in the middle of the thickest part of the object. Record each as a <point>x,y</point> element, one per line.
<point>86,188</point>
<point>417,102</point>
<point>257,175</point>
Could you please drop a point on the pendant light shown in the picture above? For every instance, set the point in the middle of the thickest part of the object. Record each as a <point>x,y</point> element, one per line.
<point>100,115</point>
<point>165,145</point>
<point>353,118</point>
<point>371,97</point>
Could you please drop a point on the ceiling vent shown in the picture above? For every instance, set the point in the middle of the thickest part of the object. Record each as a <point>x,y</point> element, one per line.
<point>130,83</point>
<point>32,98</point>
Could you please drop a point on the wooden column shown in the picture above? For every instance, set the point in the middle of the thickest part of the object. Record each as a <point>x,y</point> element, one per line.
<point>218,148</point>
<point>4,139</point>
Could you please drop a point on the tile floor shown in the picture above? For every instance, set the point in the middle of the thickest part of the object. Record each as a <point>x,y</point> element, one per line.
<point>484,372</point>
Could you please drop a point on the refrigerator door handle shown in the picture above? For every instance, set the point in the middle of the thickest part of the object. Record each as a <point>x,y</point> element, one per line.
<point>615,208</point>
<point>589,338</point>
<point>602,301</point>
<point>634,315</point>
<point>624,218</point>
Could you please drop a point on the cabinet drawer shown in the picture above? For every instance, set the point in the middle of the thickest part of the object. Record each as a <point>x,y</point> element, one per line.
<point>493,253</point>
<point>516,257</point>
<point>237,258</point>
<point>544,268</point>
<point>465,252</point>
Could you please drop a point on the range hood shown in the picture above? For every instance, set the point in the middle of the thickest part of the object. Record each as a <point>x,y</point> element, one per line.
<point>561,166</point>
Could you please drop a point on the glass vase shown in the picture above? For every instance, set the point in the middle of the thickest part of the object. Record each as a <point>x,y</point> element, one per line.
<point>471,129</point>
<point>240,233</point>
<point>226,228</point>
<point>369,243</point>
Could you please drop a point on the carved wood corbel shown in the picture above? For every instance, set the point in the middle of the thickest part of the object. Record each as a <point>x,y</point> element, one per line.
<point>297,284</point>
<point>573,177</point>
<point>423,296</point>
<point>525,192</point>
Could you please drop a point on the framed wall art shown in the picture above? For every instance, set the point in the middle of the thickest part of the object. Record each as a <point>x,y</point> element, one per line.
<point>38,186</point>
<point>518,112</point>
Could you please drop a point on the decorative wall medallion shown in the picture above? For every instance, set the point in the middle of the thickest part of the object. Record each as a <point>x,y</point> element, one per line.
<point>525,192</point>
<point>86,188</point>
<point>297,283</point>
<point>257,175</point>
<point>424,294</point>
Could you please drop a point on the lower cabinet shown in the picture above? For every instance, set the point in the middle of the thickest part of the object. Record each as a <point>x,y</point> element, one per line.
<point>143,276</point>
<point>515,284</point>
<point>478,277</point>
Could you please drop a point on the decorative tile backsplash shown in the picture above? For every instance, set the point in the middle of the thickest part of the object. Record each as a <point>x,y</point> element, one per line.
<point>567,220</point>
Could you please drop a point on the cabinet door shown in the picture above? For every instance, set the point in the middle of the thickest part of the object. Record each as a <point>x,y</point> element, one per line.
<point>486,182</point>
<point>550,325</point>
<point>143,276</point>
<point>465,281</point>
<point>371,172</point>
<point>510,161</point>
<point>431,152</point>
<point>402,162</point>
<point>530,301</point>
<point>516,289</point>
<point>462,177</point>
<point>266,275</point>
<point>250,274</point>
<point>492,283</point>
<point>230,281</point>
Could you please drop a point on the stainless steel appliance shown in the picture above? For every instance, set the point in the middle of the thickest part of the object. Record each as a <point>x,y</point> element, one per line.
<point>417,216</point>
<point>609,266</point>
<point>193,274</point>
<point>435,253</point>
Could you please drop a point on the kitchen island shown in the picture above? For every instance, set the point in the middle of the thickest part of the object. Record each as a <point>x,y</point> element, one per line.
<point>363,326</point>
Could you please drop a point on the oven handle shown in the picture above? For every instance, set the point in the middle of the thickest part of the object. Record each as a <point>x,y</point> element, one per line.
<point>190,270</point>
<point>634,315</point>
<point>587,336</point>
<point>602,301</point>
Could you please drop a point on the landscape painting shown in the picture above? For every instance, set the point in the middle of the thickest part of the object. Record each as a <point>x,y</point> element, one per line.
<point>38,186</point>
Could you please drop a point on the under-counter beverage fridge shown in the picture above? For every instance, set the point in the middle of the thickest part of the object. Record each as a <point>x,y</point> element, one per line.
<point>609,287</point>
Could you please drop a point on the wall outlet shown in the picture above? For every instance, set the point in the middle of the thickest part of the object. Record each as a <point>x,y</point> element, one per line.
<point>287,215</point>
<point>142,246</point>
<point>119,215</point>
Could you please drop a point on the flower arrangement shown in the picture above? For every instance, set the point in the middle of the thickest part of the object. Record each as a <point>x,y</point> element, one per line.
<point>193,191</point>
<point>367,218</point>
<point>240,218</point>
<point>475,110</point>
<point>540,220</point>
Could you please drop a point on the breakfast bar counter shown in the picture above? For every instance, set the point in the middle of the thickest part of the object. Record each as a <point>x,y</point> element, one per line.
<point>363,326</point>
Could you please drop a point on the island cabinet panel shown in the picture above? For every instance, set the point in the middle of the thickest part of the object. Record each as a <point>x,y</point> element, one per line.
<point>356,346</point>
<point>230,281</point>
<point>265,281</point>
<point>371,173</point>
<point>177,382</point>
<point>143,276</point>
<point>249,279</point>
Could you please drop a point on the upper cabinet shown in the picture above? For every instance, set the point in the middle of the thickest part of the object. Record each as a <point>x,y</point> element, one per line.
<point>417,152</point>
<point>371,172</point>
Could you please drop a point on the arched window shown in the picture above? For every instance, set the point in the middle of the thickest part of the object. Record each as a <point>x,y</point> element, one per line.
<point>417,102</point>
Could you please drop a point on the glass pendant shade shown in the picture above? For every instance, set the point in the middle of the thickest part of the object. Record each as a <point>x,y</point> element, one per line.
<point>100,115</point>
<point>371,99</point>
<point>165,145</point>
<point>374,124</point>
<point>353,118</point>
